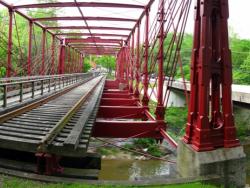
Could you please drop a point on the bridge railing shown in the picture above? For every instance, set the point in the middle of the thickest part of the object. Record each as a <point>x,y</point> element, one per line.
<point>17,90</point>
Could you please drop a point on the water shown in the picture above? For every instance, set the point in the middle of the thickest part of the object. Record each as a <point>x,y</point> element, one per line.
<point>132,169</point>
<point>247,151</point>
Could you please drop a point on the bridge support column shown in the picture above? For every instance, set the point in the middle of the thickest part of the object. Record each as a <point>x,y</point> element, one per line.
<point>132,51</point>
<point>43,52</point>
<point>30,49</point>
<point>137,65</point>
<point>9,58</point>
<point>160,110</point>
<point>61,58</point>
<point>210,145</point>
<point>145,98</point>
<point>53,55</point>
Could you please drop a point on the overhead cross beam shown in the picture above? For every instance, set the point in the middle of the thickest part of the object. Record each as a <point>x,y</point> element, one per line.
<point>93,34</point>
<point>84,27</point>
<point>70,18</point>
<point>80,4</point>
<point>92,45</point>
<point>92,40</point>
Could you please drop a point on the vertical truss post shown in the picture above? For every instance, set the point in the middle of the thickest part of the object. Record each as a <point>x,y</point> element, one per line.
<point>131,84</point>
<point>160,110</point>
<point>79,62</point>
<point>211,70</point>
<point>43,51</point>
<point>83,58</point>
<point>30,49</point>
<point>61,57</point>
<point>69,60</point>
<point>137,70</point>
<point>53,55</point>
<point>74,60</point>
<point>145,98</point>
<point>9,58</point>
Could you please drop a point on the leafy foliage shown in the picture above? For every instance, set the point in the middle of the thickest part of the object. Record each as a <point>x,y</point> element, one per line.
<point>86,66</point>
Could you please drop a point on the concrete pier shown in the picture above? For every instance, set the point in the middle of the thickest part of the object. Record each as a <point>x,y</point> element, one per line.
<point>229,163</point>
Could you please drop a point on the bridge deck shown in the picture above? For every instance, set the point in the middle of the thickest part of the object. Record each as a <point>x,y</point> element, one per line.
<point>28,131</point>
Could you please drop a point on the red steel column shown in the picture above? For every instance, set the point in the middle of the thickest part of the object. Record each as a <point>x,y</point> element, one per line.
<point>61,58</point>
<point>82,63</point>
<point>209,128</point>
<point>137,70</point>
<point>43,51</point>
<point>230,139</point>
<point>145,98</point>
<point>53,55</point>
<point>30,49</point>
<point>69,60</point>
<point>9,58</point>
<point>160,110</point>
<point>131,86</point>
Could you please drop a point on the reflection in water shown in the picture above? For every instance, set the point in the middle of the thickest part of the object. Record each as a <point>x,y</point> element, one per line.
<point>131,169</point>
<point>247,151</point>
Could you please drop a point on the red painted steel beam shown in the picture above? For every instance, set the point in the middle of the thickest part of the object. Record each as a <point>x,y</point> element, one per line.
<point>43,51</point>
<point>141,16</point>
<point>92,40</point>
<point>93,34</point>
<point>53,55</point>
<point>76,45</point>
<point>70,18</point>
<point>10,43</point>
<point>98,52</point>
<point>117,102</point>
<point>91,27</point>
<point>29,59</point>
<point>80,4</point>
<point>116,95</point>
<point>126,129</point>
<point>145,98</point>
<point>125,112</point>
<point>160,109</point>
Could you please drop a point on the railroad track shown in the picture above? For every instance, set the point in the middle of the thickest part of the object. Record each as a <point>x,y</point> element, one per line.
<point>51,130</point>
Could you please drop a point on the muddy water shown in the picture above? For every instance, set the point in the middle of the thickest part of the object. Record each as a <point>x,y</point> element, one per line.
<point>247,151</point>
<point>132,169</point>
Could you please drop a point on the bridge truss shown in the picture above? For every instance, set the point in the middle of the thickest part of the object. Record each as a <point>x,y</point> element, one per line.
<point>150,43</point>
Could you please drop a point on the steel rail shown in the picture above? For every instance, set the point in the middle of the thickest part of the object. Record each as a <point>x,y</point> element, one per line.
<point>64,120</point>
<point>9,115</point>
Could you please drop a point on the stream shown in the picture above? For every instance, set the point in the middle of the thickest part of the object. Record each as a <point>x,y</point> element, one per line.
<point>132,169</point>
<point>123,169</point>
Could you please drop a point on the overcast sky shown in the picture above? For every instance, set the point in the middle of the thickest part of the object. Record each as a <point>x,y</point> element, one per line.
<point>239,14</point>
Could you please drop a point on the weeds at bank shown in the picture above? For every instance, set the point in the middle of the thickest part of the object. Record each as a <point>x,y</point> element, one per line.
<point>9,182</point>
<point>176,118</point>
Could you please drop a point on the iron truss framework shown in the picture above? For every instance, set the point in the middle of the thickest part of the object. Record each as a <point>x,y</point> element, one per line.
<point>208,126</point>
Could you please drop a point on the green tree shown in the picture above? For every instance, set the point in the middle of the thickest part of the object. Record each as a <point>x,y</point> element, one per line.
<point>107,62</point>
<point>86,65</point>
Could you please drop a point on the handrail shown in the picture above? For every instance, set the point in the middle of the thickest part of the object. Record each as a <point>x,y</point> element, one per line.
<point>17,90</point>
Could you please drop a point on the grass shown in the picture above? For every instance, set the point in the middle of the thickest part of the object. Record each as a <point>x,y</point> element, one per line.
<point>176,118</point>
<point>9,182</point>
<point>108,151</point>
